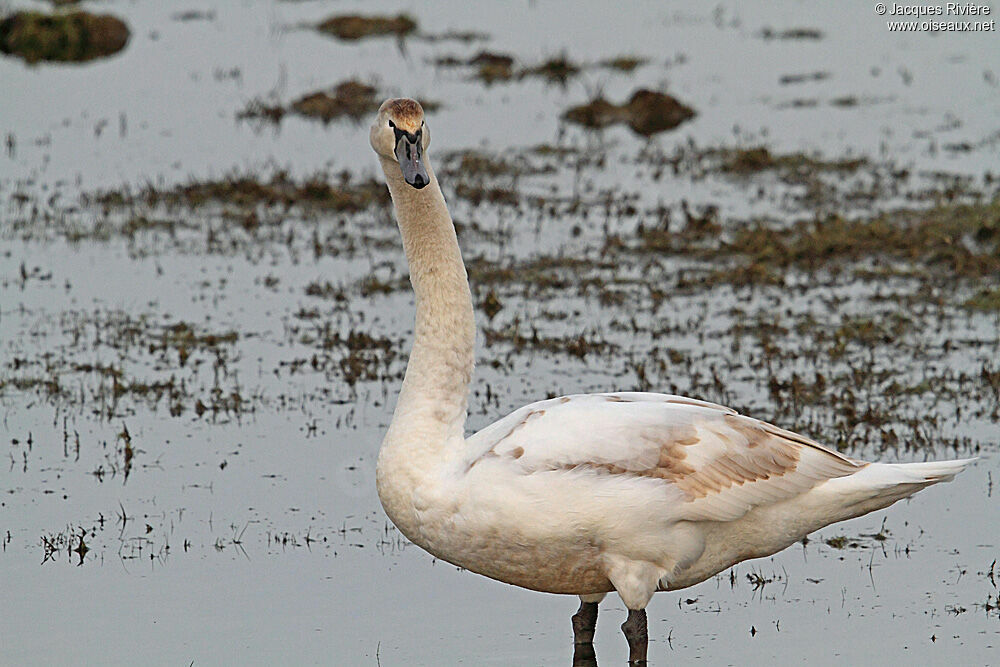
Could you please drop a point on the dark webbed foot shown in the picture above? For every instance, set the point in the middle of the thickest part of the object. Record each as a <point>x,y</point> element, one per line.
<point>584,622</point>
<point>637,635</point>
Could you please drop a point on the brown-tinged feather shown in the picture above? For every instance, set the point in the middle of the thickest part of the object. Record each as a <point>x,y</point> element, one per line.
<point>407,114</point>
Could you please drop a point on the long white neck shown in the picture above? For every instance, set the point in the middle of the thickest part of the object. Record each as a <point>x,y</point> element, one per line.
<point>428,425</point>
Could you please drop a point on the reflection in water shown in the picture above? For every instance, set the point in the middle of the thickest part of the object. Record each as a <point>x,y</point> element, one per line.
<point>584,655</point>
<point>81,549</point>
<point>128,452</point>
<point>52,545</point>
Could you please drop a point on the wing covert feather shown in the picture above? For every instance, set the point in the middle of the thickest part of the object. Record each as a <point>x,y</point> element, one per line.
<point>723,463</point>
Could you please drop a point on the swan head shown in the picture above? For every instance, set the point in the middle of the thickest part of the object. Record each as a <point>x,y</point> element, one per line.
<point>400,134</point>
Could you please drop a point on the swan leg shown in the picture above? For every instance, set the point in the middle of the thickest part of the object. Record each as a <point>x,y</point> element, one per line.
<point>584,655</point>
<point>585,620</point>
<point>637,635</point>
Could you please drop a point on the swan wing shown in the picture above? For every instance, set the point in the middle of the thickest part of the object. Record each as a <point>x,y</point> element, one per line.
<point>722,463</point>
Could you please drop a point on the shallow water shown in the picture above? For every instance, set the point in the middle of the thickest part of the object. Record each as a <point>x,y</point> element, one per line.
<point>248,531</point>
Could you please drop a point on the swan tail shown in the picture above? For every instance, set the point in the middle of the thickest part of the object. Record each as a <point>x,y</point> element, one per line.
<point>930,472</point>
<point>879,485</point>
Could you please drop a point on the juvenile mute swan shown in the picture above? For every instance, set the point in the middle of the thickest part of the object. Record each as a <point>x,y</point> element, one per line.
<point>587,494</point>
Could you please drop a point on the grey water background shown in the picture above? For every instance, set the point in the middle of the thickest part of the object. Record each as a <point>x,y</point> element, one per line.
<point>257,538</point>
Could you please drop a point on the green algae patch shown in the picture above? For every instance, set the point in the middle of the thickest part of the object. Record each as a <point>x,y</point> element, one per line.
<point>71,37</point>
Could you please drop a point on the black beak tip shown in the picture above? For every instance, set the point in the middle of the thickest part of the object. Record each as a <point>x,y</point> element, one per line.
<point>419,181</point>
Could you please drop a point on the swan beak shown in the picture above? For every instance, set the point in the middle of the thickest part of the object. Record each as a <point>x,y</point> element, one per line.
<point>409,153</point>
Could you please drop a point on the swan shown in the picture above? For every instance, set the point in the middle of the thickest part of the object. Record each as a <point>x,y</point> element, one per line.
<point>629,492</point>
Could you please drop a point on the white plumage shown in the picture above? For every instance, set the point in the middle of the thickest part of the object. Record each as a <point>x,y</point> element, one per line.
<point>629,492</point>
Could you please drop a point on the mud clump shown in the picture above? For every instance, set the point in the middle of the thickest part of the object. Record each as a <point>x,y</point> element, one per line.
<point>493,66</point>
<point>351,99</point>
<point>489,67</point>
<point>647,112</point>
<point>651,112</point>
<point>353,27</point>
<point>555,70</point>
<point>71,37</point>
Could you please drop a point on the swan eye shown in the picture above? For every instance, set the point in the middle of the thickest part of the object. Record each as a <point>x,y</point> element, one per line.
<point>392,125</point>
